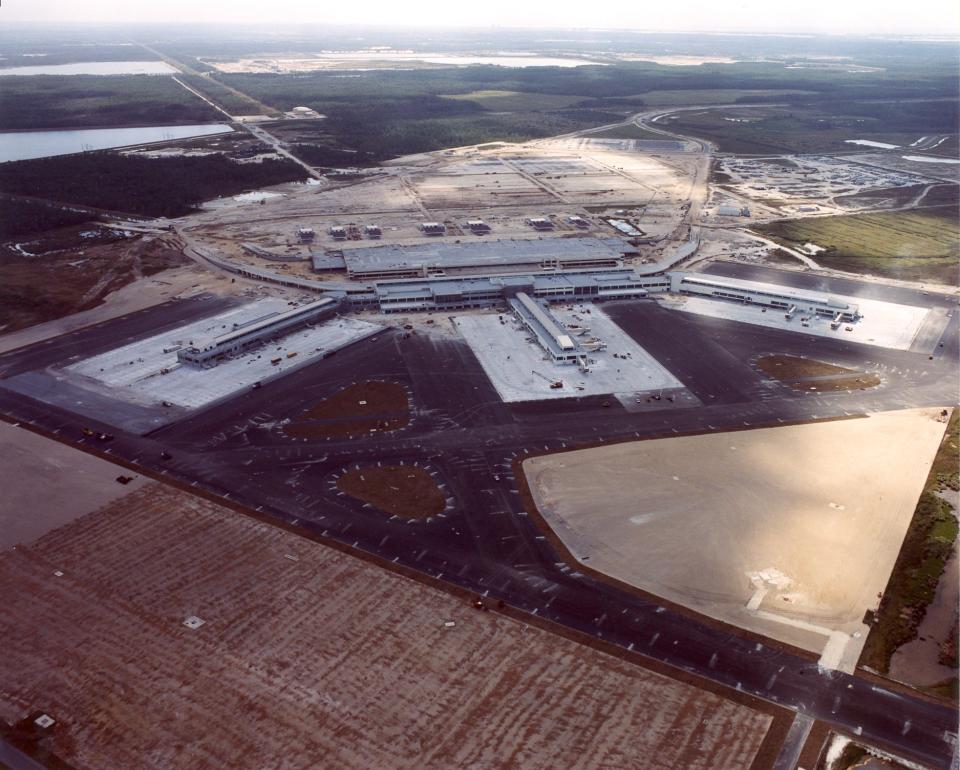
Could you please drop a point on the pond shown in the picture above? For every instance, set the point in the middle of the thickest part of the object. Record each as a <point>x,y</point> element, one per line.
<point>93,68</point>
<point>23,145</point>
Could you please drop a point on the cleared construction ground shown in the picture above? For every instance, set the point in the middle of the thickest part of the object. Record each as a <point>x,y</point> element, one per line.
<point>307,656</point>
<point>790,532</point>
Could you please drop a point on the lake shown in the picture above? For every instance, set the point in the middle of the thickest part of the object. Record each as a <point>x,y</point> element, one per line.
<point>94,68</point>
<point>22,145</point>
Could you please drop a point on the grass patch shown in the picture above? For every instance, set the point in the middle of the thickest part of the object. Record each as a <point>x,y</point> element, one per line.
<point>921,244</point>
<point>692,97</point>
<point>886,196</point>
<point>516,101</point>
<point>810,128</point>
<point>357,410</point>
<point>926,549</point>
<point>400,490</point>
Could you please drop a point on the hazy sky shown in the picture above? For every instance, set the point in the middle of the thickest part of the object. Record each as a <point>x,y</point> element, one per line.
<point>896,17</point>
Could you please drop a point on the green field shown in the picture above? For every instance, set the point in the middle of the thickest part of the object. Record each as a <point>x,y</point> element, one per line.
<point>683,98</point>
<point>920,244</point>
<point>811,128</point>
<point>516,101</point>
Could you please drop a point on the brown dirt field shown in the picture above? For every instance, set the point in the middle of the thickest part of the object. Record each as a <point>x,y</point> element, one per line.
<point>786,368</point>
<point>312,657</point>
<point>70,273</point>
<point>403,490</point>
<point>356,410</point>
<point>808,374</point>
<point>864,381</point>
<point>342,428</point>
<point>814,745</point>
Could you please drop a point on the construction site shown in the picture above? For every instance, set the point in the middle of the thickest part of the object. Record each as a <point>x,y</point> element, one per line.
<point>511,419</point>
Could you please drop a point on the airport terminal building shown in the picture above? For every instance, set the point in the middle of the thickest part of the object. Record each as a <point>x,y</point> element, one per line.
<point>405,295</point>
<point>208,352</point>
<point>436,258</point>
<point>770,295</point>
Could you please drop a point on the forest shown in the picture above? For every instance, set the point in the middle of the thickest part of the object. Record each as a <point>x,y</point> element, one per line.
<point>155,187</point>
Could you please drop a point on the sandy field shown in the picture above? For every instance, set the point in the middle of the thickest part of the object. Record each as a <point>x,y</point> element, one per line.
<point>309,657</point>
<point>790,532</point>
<point>47,484</point>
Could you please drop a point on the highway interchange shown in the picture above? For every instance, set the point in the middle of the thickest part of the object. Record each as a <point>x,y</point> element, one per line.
<point>487,543</point>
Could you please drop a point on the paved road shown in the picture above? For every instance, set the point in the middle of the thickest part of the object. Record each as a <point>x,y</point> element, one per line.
<point>487,543</point>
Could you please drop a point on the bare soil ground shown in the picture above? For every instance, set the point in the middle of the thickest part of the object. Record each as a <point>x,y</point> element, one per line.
<point>780,552</point>
<point>310,657</point>
<point>787,368</point>
<point>47,484</point>
<point>66,273</point>
<point>145,292</point>
<point>403,490</point>
<point>826,385</point>
<point>808,374</point>
<point>356,410</point>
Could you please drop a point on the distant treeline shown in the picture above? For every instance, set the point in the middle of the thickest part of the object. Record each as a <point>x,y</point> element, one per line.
<point>620,80</point>
<point>77,101</point>
<point>385,113</point>
<point>167,187</point>
<point>22,217</point>
<point>221,95</point>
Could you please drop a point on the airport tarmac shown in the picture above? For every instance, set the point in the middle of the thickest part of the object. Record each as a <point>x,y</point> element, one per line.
<point>884,324</point>
<point>521,370</point>
<point>487,543</point>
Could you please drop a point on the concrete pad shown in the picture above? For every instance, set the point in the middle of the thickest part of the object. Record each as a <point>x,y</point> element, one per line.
<point>47,484</point>
<point>791,532</point>
<point>146,372</point>
<point>521,370</point>
<point>884,324</point>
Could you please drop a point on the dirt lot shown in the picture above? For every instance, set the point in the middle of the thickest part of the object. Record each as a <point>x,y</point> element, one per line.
<point>47,484</point>
<point>781,552</point>
<point>65,272</point>
<point>787,368</point>
<point>403,490</point>
<point>356,410</point>
<point>312,657</point>
<point>808,374</point>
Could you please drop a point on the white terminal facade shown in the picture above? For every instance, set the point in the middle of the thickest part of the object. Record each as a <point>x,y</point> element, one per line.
<point>245,335</point>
